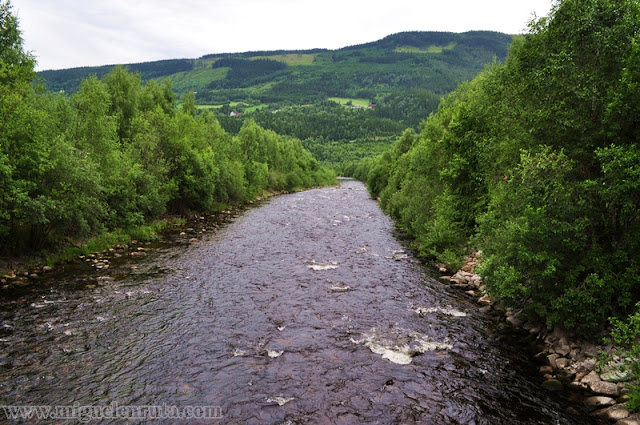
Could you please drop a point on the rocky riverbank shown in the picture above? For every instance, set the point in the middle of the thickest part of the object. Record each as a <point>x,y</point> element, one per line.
<point>21,272</point>
<point>567,363</point>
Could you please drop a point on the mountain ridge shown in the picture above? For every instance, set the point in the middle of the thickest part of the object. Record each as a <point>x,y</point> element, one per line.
<point>435,61</point>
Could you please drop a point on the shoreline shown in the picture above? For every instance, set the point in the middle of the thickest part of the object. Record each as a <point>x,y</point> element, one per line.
<point>567,363</point>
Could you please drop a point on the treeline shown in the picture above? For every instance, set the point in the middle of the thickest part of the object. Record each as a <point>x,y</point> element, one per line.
<point>69,80</point>
<point>246,72</point>
<point>536,163</point>
<point>328,120</point>
<point>118,153</point>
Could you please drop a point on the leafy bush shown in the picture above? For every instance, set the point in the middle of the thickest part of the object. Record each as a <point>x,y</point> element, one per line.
<point>627,335</point>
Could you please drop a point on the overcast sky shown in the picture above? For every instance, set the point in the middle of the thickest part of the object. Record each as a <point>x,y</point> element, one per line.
<point>70,33</point>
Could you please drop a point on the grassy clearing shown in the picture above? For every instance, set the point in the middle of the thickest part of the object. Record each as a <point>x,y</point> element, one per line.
<point>255,108</point>
<point>291,59</point>
<point>209,106</point>
<point>434,49</point>
<point>194,79</point>
<point>236,105</point>
<point>344,100</point>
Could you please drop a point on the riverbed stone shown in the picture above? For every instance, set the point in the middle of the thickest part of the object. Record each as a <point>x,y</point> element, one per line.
<point>516,321</point>
<point>587,366</point>
<point>613,413</point>
<point>552,385</point>
<point>605,388</point>
<point>599,401</point>
<point>562,347</point>
<point>562,363</point>
<point>614,372</point>
<point>631,420</point>
<point>545,369</point>
<point>591,378</point>
<point>485,300</point>
<point>551,360</point>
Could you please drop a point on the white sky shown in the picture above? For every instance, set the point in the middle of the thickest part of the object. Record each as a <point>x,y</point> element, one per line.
<point>70,33</point>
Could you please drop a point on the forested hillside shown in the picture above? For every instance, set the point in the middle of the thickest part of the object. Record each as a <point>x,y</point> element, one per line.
<point>536,164</point>
<point>433,61</point>
<point>119,153</point>
<point>296,93</point>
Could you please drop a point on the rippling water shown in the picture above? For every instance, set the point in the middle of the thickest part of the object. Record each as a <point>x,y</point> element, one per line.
<point>305,310</point>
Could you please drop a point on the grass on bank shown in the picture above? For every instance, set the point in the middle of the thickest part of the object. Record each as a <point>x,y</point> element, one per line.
<point>144,233</point>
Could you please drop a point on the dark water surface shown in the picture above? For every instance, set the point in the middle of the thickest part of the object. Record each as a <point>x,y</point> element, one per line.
<point>305,310</point>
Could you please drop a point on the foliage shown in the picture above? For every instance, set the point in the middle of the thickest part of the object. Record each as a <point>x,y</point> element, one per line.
<point>328,121</point>
<point>535,163</point>
<point>118,154</point>
<point>627,335</point>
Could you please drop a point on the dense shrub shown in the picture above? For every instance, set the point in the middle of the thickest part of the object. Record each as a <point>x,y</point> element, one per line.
<point>535,163</point>
<point>117,154</point>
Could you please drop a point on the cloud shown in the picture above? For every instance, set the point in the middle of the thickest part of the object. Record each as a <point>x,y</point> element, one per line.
<point>68,33</point>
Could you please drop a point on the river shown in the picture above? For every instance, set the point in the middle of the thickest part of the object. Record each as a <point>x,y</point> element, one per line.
<point>306,309</point>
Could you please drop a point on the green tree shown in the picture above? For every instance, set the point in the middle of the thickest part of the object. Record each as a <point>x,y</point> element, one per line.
<point>124,90</point>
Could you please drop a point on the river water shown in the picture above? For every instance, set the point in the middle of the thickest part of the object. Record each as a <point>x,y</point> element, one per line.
<point>306,309</point>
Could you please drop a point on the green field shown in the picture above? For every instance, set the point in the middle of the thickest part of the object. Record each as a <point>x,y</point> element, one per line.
<point>197,78</point>
<point>344,100</point>
<point>291,59</point>
<point>235,105</point>
<point>431,49</point>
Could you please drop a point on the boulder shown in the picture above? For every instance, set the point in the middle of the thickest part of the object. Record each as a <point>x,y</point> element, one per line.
<point>562,363</point>
<point>631,420</point>
<point>613,413</point>
<point>551,360</point>
<point>599,401</point>
<point>552,385</point>
<point>606,388</point>
<point>562,347</point>
<point>591,378</point>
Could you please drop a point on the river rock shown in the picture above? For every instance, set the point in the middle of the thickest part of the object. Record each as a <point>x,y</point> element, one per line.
<point>613,413</point>
<point>551,360</point>
<point>616,376</point>
<point>614,372</point>
<point>485,300</point>
<point>599,401</point>
<point>586,366</point>
<point>552,385</point>
<point>545,369</point>
<point>516,321</point>
<point>562,347</point>
<point>46,269</point>
<point>631,420</point>
<point>606,388</point>
<point>562,363</point>
<point>591,378</point>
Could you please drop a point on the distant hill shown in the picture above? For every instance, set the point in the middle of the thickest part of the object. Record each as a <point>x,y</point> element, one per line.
<point>429,61</point>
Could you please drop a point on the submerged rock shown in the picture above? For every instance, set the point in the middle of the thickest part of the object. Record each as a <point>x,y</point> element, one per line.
<point>552,385</point>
